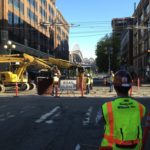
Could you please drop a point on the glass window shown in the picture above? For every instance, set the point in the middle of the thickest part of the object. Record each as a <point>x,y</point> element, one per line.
<point>21,8</point>
<point>16,4</point>
<point>16,20</point>
<point>36,6</point>
<point>10,2</point>
<point>10,18</point>
<point>21,22</point>
<point>147,9</point>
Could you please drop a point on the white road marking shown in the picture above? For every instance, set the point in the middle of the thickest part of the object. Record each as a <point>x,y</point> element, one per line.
<point>11,116</point>
<point>98,116</point>
<point>3,106</point>
<point>45,116</point>
<point>2,119</point>
<point>77,147</point>
<point>87,119</point>
<point>49,121</point>
<point>2,115</point>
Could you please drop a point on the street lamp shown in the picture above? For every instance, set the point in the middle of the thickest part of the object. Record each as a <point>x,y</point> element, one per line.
<point>109,51</point>
<point>9,46</point>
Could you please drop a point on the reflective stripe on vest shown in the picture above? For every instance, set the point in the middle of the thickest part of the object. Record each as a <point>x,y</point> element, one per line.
<point>111,123</point>
<point>141,110</point>
<point>88,81</point>
<point>56,79</point>
<point>110,137</point>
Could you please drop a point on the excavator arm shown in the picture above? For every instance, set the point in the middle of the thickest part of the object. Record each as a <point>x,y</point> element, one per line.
<point>61,63</point>
<point>25,60</point>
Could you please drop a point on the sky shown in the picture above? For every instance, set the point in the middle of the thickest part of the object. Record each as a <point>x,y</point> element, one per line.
<point>92,20</point>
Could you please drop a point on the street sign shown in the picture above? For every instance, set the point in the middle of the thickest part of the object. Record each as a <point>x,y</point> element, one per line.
<point>68,85</point>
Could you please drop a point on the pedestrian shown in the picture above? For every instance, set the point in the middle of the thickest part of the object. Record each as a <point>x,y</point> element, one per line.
<point>56,79</point>
<point>80,81</point>
<point>111,79</point>
<point>123,117</point>
<point>56,70</point>
<point>88,84</point>
<point>55,84</point>
<point>91,82</point>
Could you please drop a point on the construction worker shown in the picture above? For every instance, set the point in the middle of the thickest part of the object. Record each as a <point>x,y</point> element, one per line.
<point>81,78</point>
<point>122,117</point>
<point>56,70</point>
<point>91,82</point>
<point>88,84</point>
<point>111,79</point>
<point>55,84</point>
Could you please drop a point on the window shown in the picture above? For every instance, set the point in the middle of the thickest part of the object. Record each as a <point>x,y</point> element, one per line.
<point>147,9</point>
<point>10,18</point>
<point>16,4</point>
<point>10,2</point>
<point>32,15</point>
<point>28,12</point>
<point>16,20</point>
<point>21,8</point>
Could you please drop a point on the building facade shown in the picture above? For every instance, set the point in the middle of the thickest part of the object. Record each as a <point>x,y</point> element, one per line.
<point>126,49</point>
<point>141,39</point>
<point>35,26</point>
<point>120,24</point>
<point>122,29</point>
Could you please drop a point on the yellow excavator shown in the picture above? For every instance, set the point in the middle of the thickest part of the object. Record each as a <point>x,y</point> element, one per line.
<point>19,73</point>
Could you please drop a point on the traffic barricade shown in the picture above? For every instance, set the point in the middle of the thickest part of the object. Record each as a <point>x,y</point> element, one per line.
<point>68,85</point>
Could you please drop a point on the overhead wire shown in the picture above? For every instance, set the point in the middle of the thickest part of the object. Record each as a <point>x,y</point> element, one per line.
<point>103,28</point>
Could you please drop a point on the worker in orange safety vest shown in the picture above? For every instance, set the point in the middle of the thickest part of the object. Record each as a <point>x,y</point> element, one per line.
<point>122,117</point>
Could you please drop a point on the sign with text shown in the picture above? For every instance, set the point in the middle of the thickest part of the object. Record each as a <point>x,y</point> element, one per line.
<point>68,85</point>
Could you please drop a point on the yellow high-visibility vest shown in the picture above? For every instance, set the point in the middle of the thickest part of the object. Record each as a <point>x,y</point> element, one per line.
<point>123,123</point>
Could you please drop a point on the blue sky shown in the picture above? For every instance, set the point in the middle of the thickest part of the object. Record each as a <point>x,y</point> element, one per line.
<point>92,20</point>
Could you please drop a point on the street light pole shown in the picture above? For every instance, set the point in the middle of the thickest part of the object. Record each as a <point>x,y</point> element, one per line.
<point>9,46</point>
<point>109,50</point>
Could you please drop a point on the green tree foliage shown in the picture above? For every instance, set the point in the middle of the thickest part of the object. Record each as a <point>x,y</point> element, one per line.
<point>102,60</point>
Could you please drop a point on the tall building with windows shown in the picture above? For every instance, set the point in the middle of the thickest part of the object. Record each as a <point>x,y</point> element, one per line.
<point>35,26</point>
<point>141,39</point>
<point>120,24</point>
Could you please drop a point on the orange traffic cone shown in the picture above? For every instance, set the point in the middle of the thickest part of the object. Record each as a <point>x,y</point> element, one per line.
<point>146,131</point>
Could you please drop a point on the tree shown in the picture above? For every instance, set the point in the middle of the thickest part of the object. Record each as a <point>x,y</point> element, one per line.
<point>102,54</point>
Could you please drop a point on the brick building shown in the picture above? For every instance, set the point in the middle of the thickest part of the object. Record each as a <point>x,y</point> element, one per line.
<point>35,26</point>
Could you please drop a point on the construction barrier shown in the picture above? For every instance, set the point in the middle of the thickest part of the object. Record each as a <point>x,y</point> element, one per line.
<point>146,131</point>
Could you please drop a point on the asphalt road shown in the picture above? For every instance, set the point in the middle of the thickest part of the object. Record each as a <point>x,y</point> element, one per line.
<point>47,123</point>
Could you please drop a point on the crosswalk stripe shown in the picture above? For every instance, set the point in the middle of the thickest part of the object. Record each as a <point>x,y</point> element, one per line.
<point>45,116</point>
